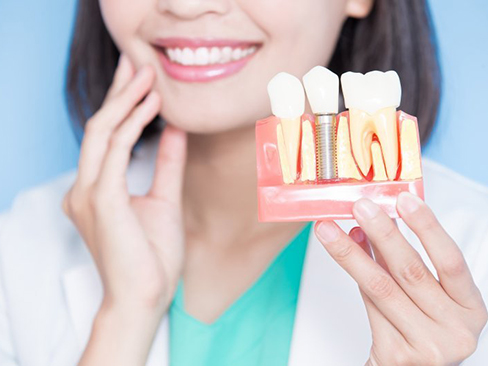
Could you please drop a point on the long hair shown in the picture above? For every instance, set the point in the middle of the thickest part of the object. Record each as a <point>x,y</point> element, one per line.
<point>397,35</point>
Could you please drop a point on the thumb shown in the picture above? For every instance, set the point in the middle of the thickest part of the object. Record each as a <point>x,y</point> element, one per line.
<point>170,165</point>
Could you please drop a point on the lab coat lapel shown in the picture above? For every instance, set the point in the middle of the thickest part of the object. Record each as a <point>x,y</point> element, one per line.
<point>331,326</point>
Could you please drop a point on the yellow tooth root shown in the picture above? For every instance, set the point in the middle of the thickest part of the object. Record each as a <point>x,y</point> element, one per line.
<point>378,165</point>
<point>291,137</point>
<point>346,166</point>
<point>363,127</point>
<point>308,171</point>
<point>410,151</point>
<point>285,168</point>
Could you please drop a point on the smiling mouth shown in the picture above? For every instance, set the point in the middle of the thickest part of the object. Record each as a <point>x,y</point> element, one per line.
<point>190,59</point>
<point>203,56</point>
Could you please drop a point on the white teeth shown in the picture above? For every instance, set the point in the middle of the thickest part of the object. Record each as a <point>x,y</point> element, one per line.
<point>372,91</point>
<point>236,54</point>
<point>214,55</point>
<point>188,57</point>
<point>207,56</point>
<point>322,87</point>
<point>286,95</point>
<point>226,54</point>
<point>202,56</point>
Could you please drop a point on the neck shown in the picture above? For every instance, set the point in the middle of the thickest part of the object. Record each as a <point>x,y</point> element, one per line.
<point>220,197</point>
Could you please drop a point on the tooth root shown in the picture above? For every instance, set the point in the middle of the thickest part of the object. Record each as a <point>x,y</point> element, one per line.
<point>378,165</point>
<point>291,137</point>
<point>346,166</point>
<point>308,171</point>
<point>362,130</point>
<point>285,167</point>
<point>410,151</point>
<point>363,126</point>
<point>387,131</point>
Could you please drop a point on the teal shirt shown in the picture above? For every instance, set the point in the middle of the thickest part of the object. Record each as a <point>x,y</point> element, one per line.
<point>255,330</point>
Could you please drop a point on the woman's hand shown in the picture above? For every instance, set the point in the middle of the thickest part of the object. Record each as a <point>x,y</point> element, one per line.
<point>137,242</point>
<point>415,319</point>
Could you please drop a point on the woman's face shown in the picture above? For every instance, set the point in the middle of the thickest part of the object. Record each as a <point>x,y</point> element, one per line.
<point>231,49</point>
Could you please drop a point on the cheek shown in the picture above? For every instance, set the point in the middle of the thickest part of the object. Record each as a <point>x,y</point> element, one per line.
<point>122,19</point>
<point>301,33</point>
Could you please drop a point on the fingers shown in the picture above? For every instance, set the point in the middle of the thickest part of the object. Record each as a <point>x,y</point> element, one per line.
<point>101,126</point>
<point>170,165</point>
<point>123,73</point>
<point>114,167</point>
<point>447,258</point>
<point>404,263</point>
<point>382,330</point>
<point>376,283</point>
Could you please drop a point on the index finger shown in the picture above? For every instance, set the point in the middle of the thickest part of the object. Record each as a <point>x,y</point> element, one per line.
<point>448,260</point>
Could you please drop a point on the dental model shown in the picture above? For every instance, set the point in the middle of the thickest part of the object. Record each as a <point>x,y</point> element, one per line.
<point>316,166</point>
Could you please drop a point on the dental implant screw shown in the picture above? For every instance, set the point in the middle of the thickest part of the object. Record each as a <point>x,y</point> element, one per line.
<point>326,146</point>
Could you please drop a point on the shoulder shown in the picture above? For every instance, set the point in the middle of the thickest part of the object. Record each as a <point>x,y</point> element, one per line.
<point>38,209</point>
<point>35,230</point>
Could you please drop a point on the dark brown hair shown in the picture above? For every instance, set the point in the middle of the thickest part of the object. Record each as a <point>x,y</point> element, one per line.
<point>397,35</point>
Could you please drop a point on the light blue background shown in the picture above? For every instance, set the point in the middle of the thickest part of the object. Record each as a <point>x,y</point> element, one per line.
<point>37,143</point>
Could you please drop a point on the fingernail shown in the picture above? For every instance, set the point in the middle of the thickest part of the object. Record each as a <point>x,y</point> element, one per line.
<point>366,209</point>
<point>328,231</point>
<point>358,235</point>
<point>409,202</point>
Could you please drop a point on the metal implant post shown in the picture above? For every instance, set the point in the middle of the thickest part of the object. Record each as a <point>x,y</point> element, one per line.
<point>325,146</point>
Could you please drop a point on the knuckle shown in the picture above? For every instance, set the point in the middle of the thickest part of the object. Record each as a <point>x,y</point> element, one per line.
<point>428,222</point>
<point>387,232</point>
<point>120,141</point>
<point>455,266</point>
<point>466,344</point>
<point>91,126</point>
<point>343,253</point>
<point>414,272</point>
<point>380,286</point>
<point>402,359</point>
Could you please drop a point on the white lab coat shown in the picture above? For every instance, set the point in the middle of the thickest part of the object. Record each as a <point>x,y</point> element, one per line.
<point>50,288</point>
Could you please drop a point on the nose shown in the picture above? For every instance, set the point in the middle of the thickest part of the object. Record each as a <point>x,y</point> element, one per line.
<point>191,9</point>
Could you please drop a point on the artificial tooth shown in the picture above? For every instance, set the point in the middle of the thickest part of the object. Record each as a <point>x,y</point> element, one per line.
<point>288,103</point>
<point>346,167</point>
<point>372,100</point>
<point>308,171</point>
<point>322,87</point>
<point>410,151</point>
<point>378,165</point>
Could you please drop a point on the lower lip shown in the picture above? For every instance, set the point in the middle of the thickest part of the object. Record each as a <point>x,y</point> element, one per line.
<point>202,73</point>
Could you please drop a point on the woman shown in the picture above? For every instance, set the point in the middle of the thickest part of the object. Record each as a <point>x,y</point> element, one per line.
<point>170,232</point>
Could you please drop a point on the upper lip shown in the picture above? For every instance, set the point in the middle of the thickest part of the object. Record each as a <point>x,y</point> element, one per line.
<point>181,42</point>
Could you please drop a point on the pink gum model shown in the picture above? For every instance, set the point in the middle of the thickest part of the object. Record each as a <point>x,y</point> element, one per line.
<point>310,201</point>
